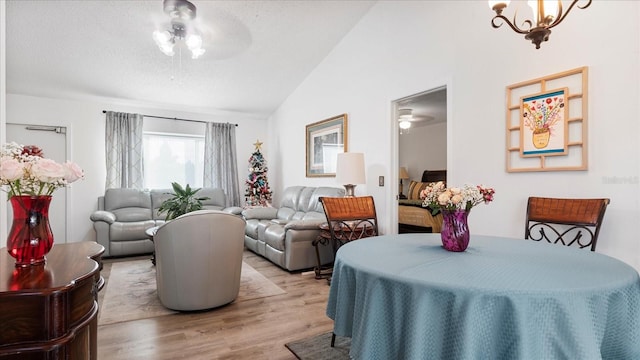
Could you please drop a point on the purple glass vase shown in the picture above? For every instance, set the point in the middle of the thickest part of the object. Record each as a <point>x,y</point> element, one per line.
<point>30,237</point>
<point>455,231</point>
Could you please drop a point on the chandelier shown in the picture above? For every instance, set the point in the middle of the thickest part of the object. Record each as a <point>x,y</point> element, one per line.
<point>181,13</point>
<point>548,13</point>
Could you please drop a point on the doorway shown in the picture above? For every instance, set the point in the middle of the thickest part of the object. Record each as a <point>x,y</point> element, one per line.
<point>421,123</point>
<point>53,142</point>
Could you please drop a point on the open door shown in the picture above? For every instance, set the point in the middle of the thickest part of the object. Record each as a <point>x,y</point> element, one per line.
<point>421,122</point>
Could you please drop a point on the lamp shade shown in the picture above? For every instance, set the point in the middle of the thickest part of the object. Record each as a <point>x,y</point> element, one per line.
<point>350,168</point>
<point>403,173</point>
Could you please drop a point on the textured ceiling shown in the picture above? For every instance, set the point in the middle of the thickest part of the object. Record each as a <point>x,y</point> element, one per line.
<point>257,52</point>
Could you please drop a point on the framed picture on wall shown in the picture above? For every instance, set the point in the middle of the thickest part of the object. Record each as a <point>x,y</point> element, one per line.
<point>543,128</point>
<point>324,141</point>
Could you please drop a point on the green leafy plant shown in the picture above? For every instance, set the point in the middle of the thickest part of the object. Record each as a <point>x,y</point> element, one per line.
<point>184,200</point>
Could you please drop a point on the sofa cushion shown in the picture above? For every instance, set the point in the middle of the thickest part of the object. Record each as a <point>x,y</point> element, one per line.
<point>128,204</point>
<point>274,236</point>
<point>120,231</point>
<point>289,202</point>
<point>305,198</point>
<point>314,203</point>
<point>252,226</point>
<point>158,196</point>
<point>217,198</point>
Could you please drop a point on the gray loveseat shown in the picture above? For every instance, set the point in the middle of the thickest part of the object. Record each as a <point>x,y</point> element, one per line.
<point>124,215</point>
<point>284,234</point>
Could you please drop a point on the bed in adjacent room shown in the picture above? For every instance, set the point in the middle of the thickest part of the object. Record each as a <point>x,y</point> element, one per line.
<point>412,217</point>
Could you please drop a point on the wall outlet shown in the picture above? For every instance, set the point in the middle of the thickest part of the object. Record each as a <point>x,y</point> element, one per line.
<point>380,180</point>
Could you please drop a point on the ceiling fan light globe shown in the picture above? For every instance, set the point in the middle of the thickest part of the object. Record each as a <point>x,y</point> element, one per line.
<point>196,53</point>
<point>404,124</point>
<point>193,41</point>
<point>162,37</point>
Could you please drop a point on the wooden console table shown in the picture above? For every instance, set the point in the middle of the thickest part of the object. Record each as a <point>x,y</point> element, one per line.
<point>50,311</point>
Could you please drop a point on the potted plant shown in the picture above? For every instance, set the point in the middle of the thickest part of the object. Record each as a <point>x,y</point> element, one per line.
<point>184,200</point>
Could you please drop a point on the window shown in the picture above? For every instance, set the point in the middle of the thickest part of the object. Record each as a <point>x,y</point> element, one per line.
<point>172,158</point>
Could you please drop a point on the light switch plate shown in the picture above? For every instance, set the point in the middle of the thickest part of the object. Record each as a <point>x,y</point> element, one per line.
<point>380,180</point>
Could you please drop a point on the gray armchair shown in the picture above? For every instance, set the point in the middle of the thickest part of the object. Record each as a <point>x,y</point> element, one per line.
<point>199,259</point>
<point>121,220</point>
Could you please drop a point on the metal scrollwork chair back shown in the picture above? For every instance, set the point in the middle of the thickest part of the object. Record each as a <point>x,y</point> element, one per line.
<point>565,221</point>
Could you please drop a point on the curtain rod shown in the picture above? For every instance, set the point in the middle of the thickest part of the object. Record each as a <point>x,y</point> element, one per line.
<point>164,117</point>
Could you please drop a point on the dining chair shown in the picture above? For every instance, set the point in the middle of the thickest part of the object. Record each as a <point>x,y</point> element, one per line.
<point>348,219</point>
<point>565,221</point>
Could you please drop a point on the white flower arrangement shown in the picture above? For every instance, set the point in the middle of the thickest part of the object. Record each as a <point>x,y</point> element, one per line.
<point>438,197</point>
<point>25,171</point>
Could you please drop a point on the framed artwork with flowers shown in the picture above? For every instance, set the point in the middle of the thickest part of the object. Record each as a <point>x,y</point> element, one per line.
<point>543,123</point>
<point>546,122</point>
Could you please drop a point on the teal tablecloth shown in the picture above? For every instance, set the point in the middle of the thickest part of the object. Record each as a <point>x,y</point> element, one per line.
<point>405,297</point>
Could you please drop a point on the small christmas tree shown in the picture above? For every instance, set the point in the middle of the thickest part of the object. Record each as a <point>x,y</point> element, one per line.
<point>258,192</point>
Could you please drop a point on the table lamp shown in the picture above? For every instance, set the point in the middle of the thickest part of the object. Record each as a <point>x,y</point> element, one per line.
<point>350,171</point>
<point>402,174</point>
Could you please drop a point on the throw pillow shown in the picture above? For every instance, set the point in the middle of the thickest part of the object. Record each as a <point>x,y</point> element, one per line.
<point>415,188</point>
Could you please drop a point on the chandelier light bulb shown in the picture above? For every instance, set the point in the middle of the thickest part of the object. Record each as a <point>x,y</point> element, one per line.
<point>547,14</point>
<point>498,4</point>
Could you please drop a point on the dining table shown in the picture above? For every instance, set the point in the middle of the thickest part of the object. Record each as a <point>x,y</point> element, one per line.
<point>406,297</point>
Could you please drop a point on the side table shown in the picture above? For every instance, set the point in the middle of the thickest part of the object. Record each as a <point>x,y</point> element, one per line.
<point>324,238</point>
<point>49,311</point>
<point>151,232</point>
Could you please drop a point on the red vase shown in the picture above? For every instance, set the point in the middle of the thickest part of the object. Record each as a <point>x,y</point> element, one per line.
<point>30,237</point>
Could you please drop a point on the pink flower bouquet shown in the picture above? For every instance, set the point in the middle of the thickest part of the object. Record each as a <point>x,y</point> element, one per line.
<point>26,172</point>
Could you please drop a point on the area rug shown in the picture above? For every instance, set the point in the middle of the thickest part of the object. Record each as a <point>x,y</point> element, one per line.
<point>131,291</point>
<point>319,348</point>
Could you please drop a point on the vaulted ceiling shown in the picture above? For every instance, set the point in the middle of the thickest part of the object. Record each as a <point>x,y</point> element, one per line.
<point>257,52</point>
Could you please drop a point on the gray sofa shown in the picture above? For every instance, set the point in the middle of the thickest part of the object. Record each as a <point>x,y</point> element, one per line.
<point>284,234</point>
<point>124,215</point>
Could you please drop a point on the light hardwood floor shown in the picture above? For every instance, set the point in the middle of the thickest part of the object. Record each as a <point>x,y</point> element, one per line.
<point>253,329</point>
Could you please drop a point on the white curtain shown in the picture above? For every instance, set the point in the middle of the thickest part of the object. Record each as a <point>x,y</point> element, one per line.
<point>123,140</point>
<point>221,161</point>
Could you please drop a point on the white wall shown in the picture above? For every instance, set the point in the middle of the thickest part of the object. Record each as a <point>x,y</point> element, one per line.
<point>85,124</point>
<point>3,108</point>
<point>403,47</point>
<point>423,148</point>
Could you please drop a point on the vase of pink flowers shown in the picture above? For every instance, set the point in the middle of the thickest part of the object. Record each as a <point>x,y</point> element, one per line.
<point>30,180</point>
<point>455,204</point>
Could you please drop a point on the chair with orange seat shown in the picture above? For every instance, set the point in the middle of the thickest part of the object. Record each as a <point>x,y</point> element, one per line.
<point>569,222</point>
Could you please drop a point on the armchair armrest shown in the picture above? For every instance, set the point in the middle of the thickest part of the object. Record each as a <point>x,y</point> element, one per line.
<point>280,221</point>
<point>235,210</point>
<point>260,213</point>
<point>102,215</point>
<point>304,224</point>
